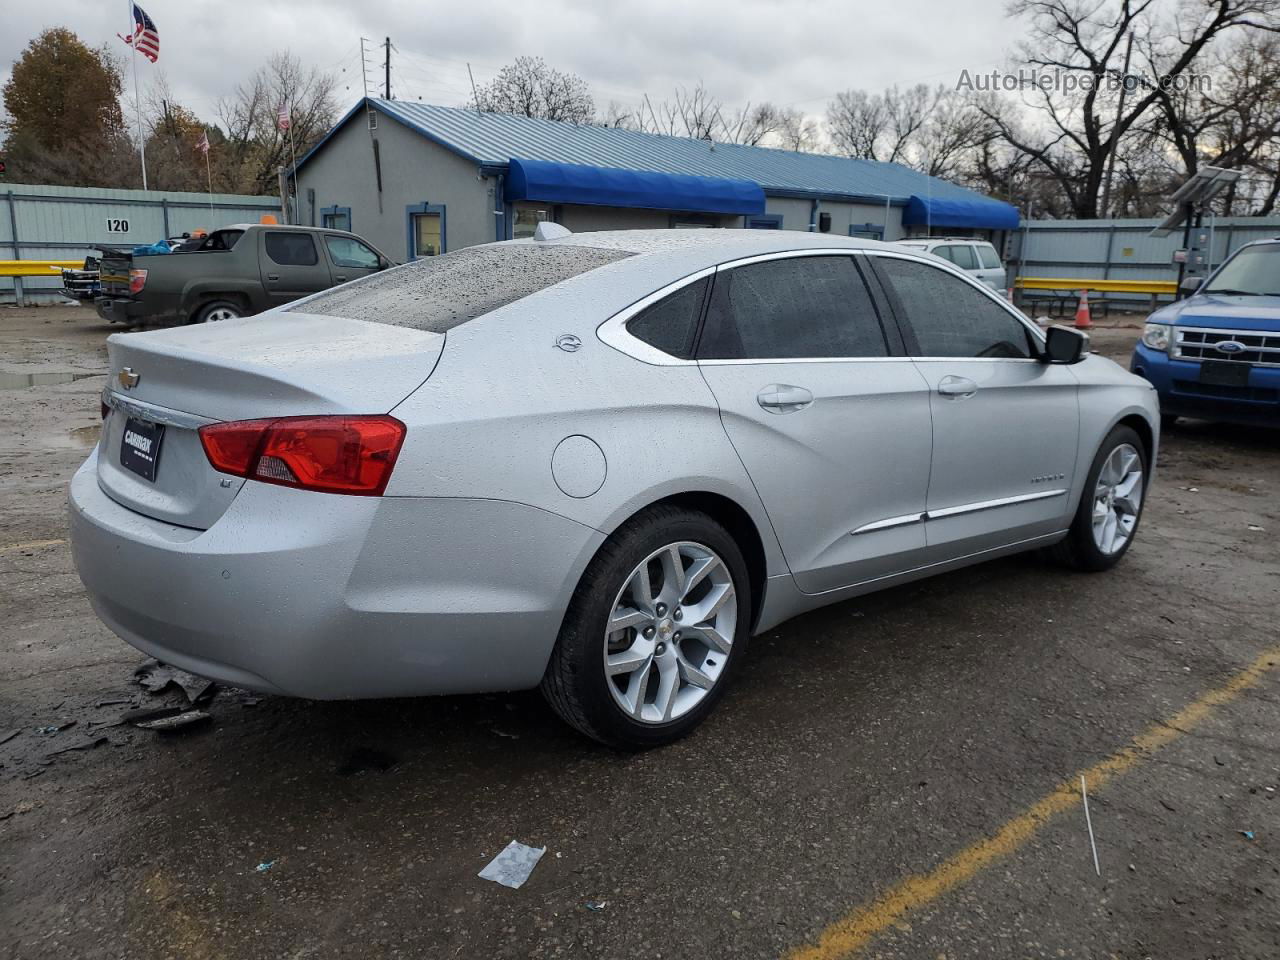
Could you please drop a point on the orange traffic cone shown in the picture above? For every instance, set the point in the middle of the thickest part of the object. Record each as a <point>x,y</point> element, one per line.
<point>1082,312</point>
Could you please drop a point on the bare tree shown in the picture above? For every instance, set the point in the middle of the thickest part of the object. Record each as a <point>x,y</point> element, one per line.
<point>798,132</point>
<point>1081,128</point>
<point>528,87</point>
<point>856,122</point>
<point>256,147</point>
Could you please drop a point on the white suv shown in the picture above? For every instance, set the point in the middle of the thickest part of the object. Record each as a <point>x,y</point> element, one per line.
<point>975,257</point>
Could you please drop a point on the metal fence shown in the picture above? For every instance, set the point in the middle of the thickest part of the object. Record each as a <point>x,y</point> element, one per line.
<point>1122,249</point>
<point>66,223</point>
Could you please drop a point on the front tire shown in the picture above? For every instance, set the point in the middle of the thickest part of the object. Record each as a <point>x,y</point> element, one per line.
<point>657,627</point>
<point>1106,520</point>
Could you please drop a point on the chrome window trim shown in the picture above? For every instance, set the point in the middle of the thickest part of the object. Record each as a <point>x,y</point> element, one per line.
<point>153,413</point>
<point>946,266</point>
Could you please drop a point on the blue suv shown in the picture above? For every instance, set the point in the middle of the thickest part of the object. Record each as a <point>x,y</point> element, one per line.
<point>1216,354</point>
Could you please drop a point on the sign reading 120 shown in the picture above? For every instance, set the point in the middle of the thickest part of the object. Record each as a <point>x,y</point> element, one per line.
<point>117,225</point>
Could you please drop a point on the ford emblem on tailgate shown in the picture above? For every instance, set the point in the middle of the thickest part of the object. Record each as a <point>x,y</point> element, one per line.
<point>128,379</point>
<point>1229,346</point>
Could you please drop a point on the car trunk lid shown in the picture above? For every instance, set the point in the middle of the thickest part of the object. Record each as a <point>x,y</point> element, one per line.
<point>163,385</point>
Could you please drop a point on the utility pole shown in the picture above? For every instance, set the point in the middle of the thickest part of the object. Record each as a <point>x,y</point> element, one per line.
<point>387,64</point>
<point>1115,142</point>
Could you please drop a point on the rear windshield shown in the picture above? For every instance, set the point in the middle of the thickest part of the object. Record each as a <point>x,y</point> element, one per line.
<point>439,293</point>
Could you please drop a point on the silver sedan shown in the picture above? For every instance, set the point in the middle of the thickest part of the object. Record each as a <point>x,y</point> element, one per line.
<point>598,463</point>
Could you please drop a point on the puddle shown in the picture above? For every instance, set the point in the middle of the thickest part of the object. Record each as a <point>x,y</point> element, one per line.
<point>87,435</point>
<point>17,381</point>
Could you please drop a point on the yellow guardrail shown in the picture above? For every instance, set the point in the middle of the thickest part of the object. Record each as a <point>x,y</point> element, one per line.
<point>37,268</point>
<point>1155,287</point>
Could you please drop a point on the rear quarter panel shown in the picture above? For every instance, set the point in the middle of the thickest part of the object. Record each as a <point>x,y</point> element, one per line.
<point>503,397</point>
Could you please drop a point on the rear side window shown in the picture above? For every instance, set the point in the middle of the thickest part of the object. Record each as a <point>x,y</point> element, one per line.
<point>791,308</point>
<point>436,294</point>
<point>949,316</point>
<point>962,256</point>
<point>291,249</point>
<point>672,323</point>
<point>989,258</point>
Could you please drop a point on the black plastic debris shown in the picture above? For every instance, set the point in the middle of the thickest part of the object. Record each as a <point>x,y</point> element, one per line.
<point>56,727</point>
<point>177,722</point>
<point>155,677</point>
<point>362,759</point>
<point>113,703</point>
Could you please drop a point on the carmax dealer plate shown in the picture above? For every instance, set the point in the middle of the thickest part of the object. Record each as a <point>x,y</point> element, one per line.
<point>140,447</point>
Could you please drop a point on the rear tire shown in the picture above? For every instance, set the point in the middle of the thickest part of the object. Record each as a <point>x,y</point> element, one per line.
<point>1108,514</point>
<point>656,676</point>
<point>216,310</point>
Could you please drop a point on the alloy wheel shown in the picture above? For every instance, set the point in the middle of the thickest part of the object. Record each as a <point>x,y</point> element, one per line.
<point>1117,499</point>
<point>221,313</point>
<point>670,632</point>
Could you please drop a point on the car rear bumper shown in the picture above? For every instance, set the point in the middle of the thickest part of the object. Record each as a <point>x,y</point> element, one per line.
<point>1182,394</point>
<point>333,597</point>
<point>118,311</point>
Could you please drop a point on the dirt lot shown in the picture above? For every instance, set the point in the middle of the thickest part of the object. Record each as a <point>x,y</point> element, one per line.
<point>883,781</point>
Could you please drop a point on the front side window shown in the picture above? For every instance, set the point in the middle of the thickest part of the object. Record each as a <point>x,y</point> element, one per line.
<point>350,252</point>
<point>671,324</point>
<point>791,308</point>
<point>291,249</point>
<point>962,257</point>
<point>949,316</point>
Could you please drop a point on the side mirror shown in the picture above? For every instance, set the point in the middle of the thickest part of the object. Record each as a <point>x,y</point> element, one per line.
<point>383,262</point>
<point>1190,285</point>
<point>1064,345</point>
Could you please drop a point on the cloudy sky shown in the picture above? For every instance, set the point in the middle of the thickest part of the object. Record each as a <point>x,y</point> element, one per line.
<point>794,53</point>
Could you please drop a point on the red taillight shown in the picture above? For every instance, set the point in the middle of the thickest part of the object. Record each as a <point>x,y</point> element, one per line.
<point>352,455</point>
<point>137,280</point>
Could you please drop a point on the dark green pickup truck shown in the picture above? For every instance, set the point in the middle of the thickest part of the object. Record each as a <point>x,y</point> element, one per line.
<point>233,272</point>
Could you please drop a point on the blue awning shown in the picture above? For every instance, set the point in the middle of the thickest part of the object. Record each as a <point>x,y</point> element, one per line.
<point>976,211</point>
<point>613,187</point>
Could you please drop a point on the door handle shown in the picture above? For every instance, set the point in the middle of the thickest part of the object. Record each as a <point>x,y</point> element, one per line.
<point>273,276</point>
<point>340,279</point>
<point>783,398</point>
<point>957,388</point>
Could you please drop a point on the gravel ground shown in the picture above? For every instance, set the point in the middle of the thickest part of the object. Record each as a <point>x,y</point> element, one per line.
<point>865,743</point>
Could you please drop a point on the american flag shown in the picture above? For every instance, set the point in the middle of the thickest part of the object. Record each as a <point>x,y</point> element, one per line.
<point>145,38</point>
<point>203,145</point>
<point>282,118</point>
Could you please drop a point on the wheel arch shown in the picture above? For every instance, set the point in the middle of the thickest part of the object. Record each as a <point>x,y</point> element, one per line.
<point>737,521</point>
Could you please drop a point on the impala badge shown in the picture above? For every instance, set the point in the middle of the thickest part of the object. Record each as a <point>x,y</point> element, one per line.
<point>128,379</point>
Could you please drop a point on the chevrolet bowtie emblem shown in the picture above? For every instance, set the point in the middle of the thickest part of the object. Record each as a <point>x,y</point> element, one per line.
<point>128,379</point>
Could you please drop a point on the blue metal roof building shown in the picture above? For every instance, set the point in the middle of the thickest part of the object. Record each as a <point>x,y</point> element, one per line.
<point>602,177</point>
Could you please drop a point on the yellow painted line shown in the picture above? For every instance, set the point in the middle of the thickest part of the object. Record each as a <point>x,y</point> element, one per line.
<point>847,936</point>
<point>30,545</point>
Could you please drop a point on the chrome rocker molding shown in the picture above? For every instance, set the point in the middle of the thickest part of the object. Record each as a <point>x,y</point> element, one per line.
<point>902,521</point>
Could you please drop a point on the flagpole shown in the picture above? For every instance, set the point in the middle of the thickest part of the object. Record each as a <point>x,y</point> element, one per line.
<point>137,100</point>
<point>209,171</point>
<point>293,152</point>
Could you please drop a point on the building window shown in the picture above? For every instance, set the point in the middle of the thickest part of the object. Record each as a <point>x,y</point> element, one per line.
<point>528,216</point>
<point>335,218</point>
<point>764,221</point>
<point>427,232</point>
<point>867,231</point>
